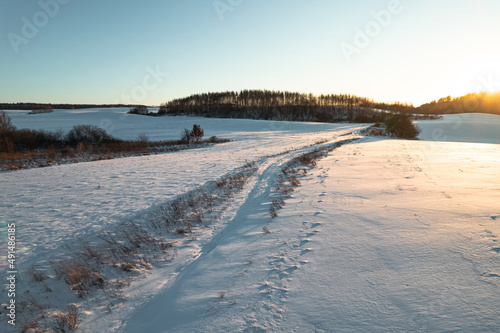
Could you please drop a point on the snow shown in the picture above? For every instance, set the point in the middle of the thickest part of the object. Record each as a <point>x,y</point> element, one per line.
<point>463,127</point>
<point>376,239</point>
<point>405,243</point>
<point>383,235</point>
<point>120,124</point>
<point>55,205</point>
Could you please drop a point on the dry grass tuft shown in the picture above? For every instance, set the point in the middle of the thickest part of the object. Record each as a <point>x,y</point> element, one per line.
<point>81,277</point>
<point>68,320</point>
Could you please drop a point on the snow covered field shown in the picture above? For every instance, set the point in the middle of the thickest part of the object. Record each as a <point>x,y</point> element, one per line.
<point>464,127</point>
<point>54,205</point>
<point>382,236</point>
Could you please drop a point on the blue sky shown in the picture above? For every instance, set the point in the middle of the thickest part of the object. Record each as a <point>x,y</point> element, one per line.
<point>120,51</point>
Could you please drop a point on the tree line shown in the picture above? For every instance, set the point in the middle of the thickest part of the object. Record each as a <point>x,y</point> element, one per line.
<point>46,106</point>
<point>273,105</point>
<point>478,102</point>
<point>294,106</point>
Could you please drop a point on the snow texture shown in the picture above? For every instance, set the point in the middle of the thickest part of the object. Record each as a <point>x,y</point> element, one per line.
<point>382,236</point>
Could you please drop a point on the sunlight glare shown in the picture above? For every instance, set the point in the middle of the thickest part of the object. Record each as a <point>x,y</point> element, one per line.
<point>480,74</point>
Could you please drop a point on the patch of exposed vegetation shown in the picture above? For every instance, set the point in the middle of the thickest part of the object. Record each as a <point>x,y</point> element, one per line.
<point>25,148</point>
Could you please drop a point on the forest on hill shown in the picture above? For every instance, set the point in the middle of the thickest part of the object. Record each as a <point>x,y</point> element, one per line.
<point>294,106</point>
<point>477,103</point>
<point>277,105</point>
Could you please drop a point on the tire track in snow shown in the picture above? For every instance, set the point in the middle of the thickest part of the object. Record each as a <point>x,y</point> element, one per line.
<point>257,267</point>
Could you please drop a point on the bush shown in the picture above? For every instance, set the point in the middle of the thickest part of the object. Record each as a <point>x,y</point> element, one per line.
<point>401,126</point>
<point>36,139</point>
<point>12,139</point>
<point>143,138</point>
<point>6,131</point>
<point>6,123</point>
<point>186,136</point>
<point>195,135</point>
<point>87,135</point>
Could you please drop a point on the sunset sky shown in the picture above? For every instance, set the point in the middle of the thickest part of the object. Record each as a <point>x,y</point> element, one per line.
<point>148,52</point>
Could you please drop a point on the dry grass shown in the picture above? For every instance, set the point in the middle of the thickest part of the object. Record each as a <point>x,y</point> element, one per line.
<point>80,276</point>
<point>68,320</point>
<point>24,159</point>
<point>39,276</point>
<point>288,179</point>
<point>32,326</point>
<point>108,263</point>
<point>191,209</point>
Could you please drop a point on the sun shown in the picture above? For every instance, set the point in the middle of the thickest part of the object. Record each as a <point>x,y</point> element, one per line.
<point>478,74</point>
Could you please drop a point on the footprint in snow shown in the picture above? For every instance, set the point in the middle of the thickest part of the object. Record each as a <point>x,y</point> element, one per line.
<point>304,241</point>
<point>447,196</point>
<point>305,251</point>
<point>266,286</point>
<point>493,275</point>
<point>279,259</point>
<point>496,249</point>
<point>494,217</point>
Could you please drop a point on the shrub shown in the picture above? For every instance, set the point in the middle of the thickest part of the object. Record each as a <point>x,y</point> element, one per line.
<point>87,135</point>
<point>12,138</point>
<point>401,126</point>
<point>34,139</point>
<point>6,131</point>
<point>143,138</point>
<point>186,136</point>
<point>6,125</point>
<point>6,145</point>
<point>197,133</point>
<point>194,135</point>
